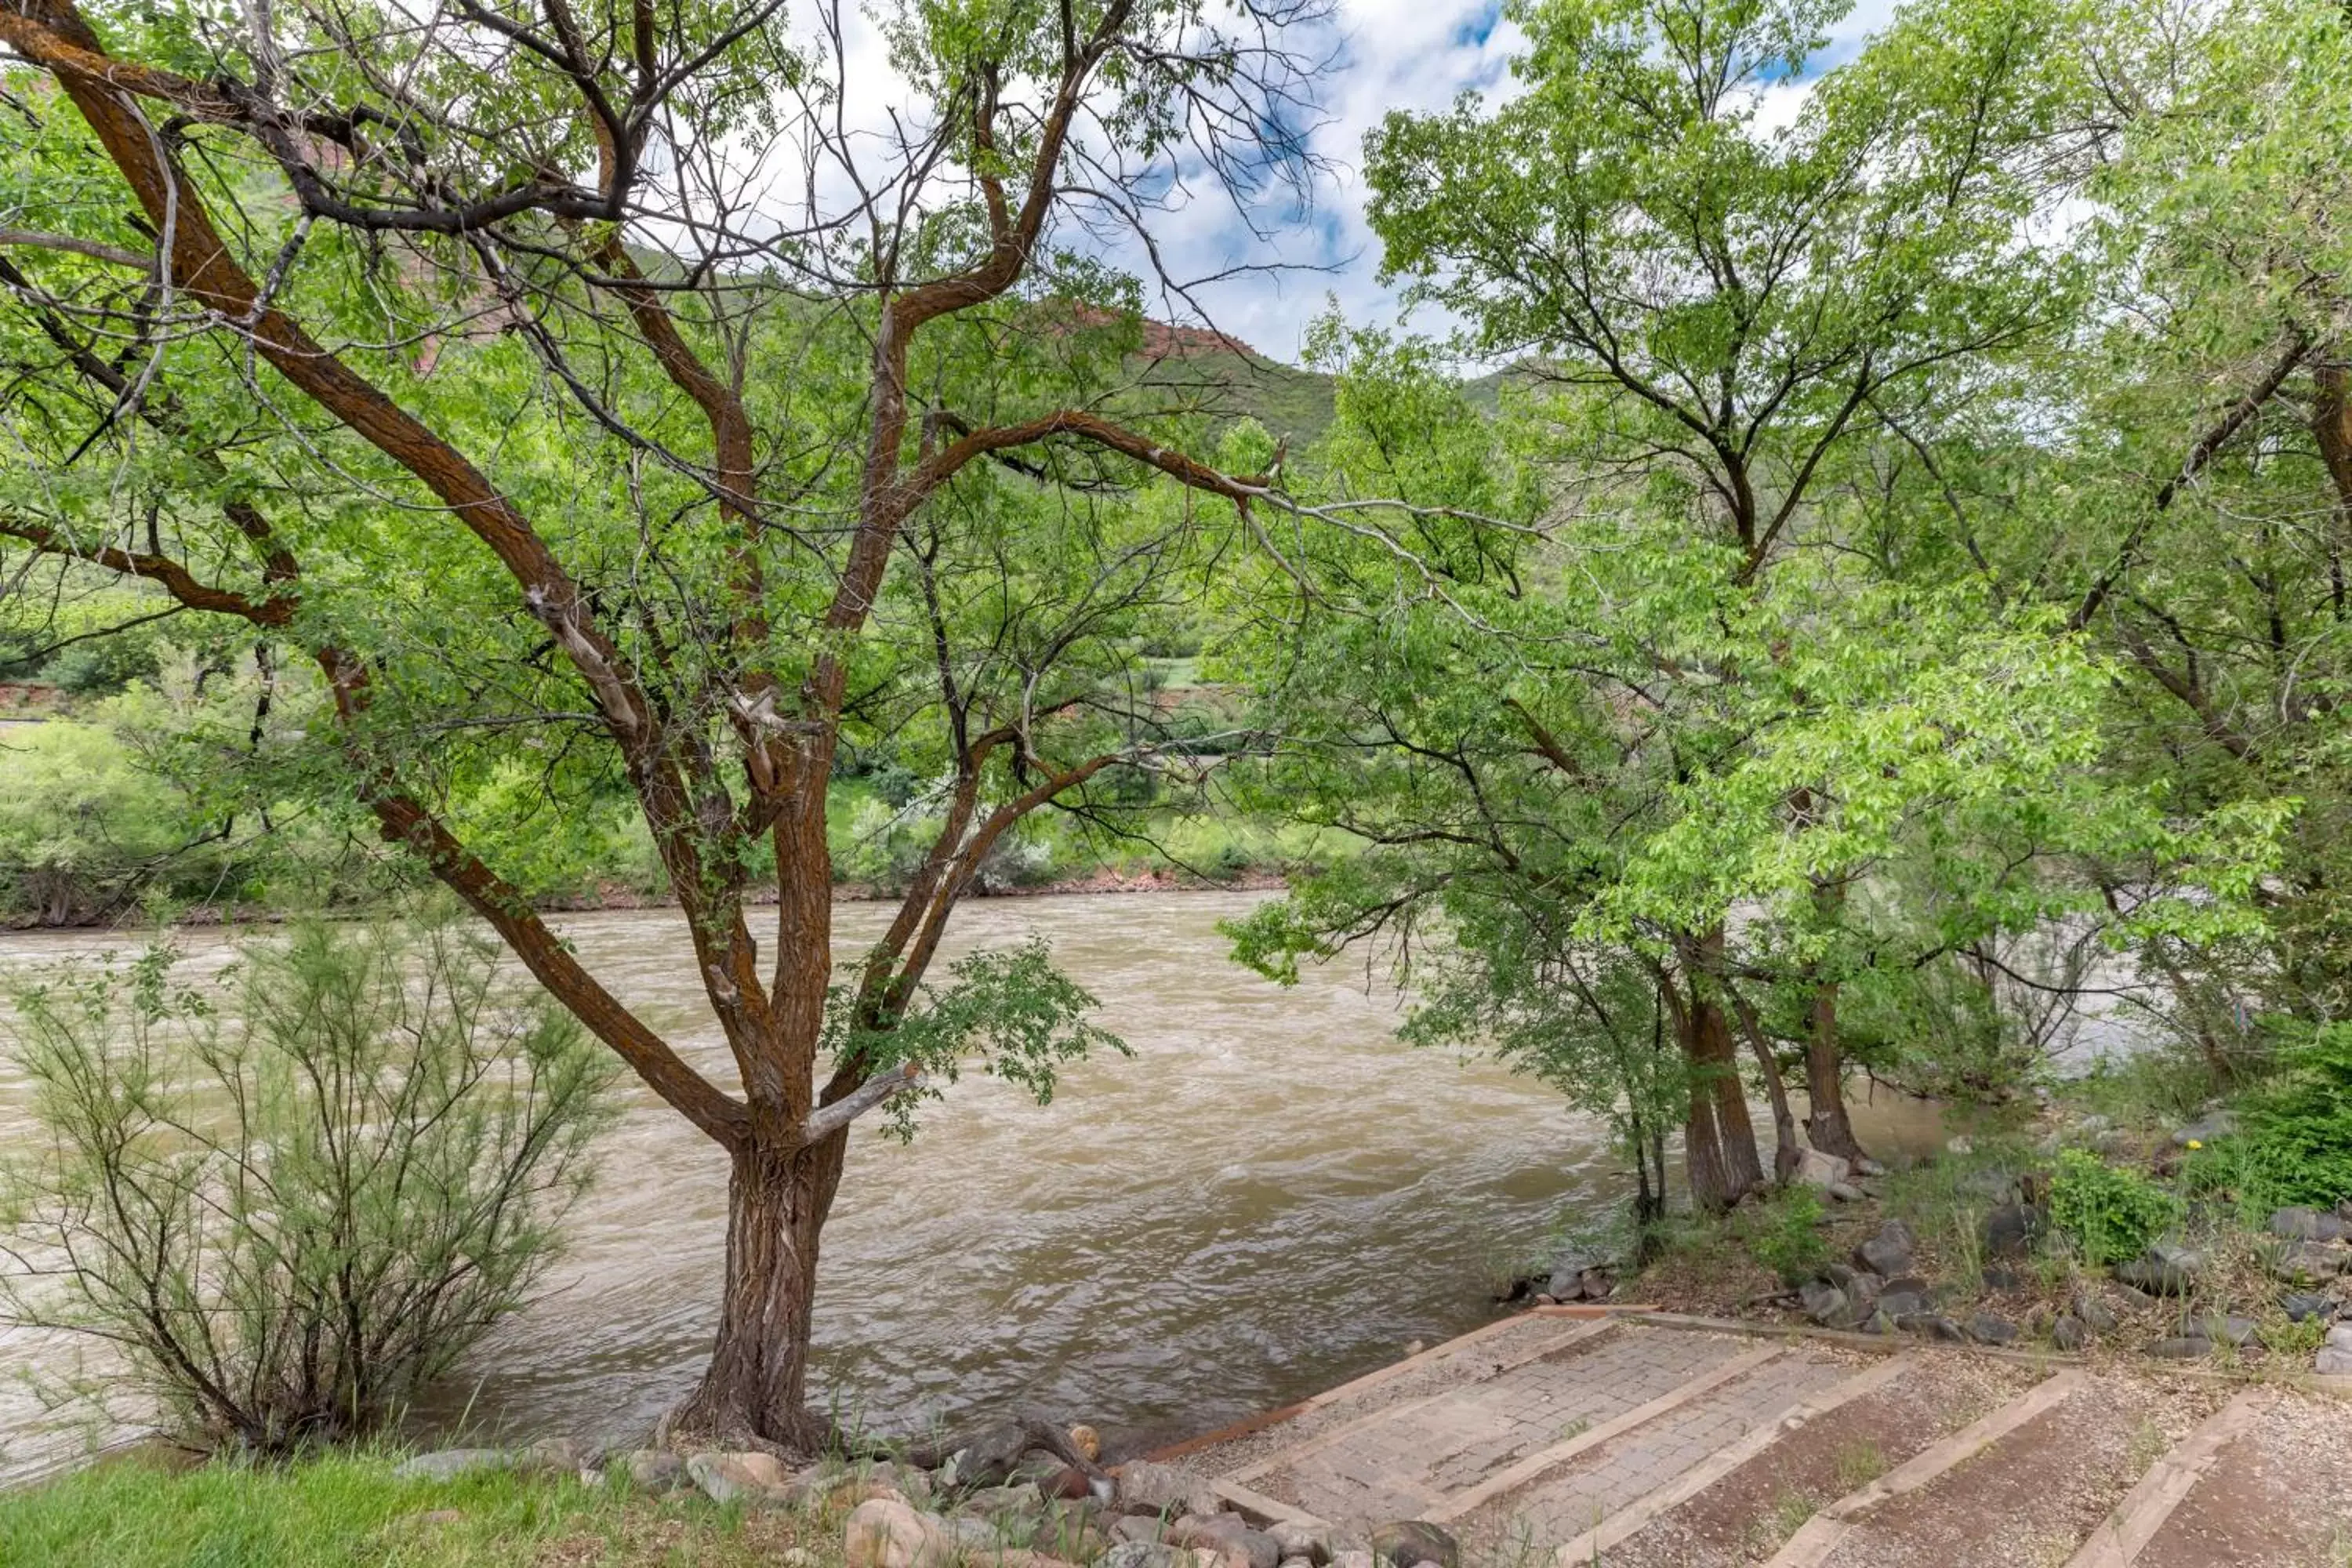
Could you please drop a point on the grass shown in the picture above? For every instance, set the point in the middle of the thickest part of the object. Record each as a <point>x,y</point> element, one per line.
<point>344,1511</point>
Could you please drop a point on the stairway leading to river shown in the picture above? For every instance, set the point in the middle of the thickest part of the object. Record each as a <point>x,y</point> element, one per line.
<point>1638,1441</point>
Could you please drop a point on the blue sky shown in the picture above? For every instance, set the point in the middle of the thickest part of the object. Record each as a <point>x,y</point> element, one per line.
<point>1398,53</point>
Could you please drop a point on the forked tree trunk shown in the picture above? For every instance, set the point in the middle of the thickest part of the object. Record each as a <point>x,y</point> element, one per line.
<point>755,1390</point>
<point>1718,1142</point>
<point>1826,1124</point>
<point>1721,1064</point>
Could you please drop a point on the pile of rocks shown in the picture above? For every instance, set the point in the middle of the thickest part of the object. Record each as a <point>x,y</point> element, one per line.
<point>1877,1293</point>
<point>1045,1514</point>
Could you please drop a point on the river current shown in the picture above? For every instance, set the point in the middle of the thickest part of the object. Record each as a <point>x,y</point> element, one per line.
<point>1272,1195</point>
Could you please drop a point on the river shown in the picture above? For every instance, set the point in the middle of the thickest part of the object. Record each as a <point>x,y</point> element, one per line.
<point>1270,1195</point>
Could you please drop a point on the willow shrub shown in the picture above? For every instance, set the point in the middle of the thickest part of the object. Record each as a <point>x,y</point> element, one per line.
<point>290,1199</point>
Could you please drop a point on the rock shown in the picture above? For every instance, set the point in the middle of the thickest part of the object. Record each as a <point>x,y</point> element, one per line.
<point>1998,1278</point>
<point>449,1464</point>
<point>1990,1329</point>
<point>751,1476</point>
<point>2221,1329</point>
<point>1887,1253</point>
<point>656,1470</point>
<point>843,1492</point>
<point>2011,1230</point>
<point>2162,1271</point>
<point>1297,1562</point>
<point>994,1502</point>
<point>2134,1299</point>
<point>2069,1332</point>
<point>1830,1307</point>
<point>1992,1186</point>
<point>1297,1538</point>
<point>2308,1262</point>
<point>1407,1542</point>
<point>2206,1129</point>
<point>2096,1315</point>
<point>1845,1192</point>
<point>1353,1559</point>
<point>1960,1145</point>
<point>1261,1549</point>
<point>1818,1170</point>
<point>885,1534</point>
<point>2183,1347</point>
<point>1935,1325</point>
<point>1568,1271</point>
<point>1160,1488</point>
<point>1143,1554</point>
<point>1879,1322</point>
<point>2300,1305</point>
<point>2309,1224</point>
<point>558,1457</point>
<point>1145,1527</point>
<point>1866,1166</point>
<point>1904,1304</point>
<point>2331,1363</point>
<point>796,1557</point>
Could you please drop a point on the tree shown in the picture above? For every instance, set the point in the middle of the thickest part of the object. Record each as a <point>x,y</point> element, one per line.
<point>587,383</point>
<point>1721,311</point>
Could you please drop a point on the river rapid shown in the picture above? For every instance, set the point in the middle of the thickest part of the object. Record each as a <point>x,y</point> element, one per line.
<point>1270,1195</point>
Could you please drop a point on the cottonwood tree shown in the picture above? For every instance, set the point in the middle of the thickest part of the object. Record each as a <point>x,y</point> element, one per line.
<point>634,388</point>
<point>1714,312</point>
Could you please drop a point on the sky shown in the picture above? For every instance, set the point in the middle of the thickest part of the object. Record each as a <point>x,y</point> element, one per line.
<point>1415,55</point>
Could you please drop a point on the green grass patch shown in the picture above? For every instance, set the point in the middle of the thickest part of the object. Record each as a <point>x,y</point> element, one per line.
<point>348,1509</point>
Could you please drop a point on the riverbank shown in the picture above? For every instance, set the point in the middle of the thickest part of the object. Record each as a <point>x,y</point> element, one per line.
<point>621,897</point>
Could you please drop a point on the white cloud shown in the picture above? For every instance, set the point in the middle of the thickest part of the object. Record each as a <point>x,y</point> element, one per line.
<point>1417,55</point>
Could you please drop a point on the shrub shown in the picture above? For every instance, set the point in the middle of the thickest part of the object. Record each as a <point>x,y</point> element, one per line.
<point>2294,1144</point>
<point>287,1218</point>
<point>2111,1214</point>
<point>1785,1235</point>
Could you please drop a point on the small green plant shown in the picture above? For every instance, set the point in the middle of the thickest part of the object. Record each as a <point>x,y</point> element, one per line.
<point>1859,1463</point>
<point>2292,1339</point>
<point>1785,1236</point>
<point>2110,1215</point>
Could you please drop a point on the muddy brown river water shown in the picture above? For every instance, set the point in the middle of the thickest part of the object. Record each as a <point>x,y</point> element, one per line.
<point>1271,1195</point>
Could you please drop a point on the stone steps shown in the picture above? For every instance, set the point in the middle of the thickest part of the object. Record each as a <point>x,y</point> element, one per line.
<point>1573,1493</point>
<point>1626,1444</point>
<point>1410,1457</point>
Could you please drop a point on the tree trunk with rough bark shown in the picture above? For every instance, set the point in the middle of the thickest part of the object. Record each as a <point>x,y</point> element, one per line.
<point>755,1390</point>
<point>1827,1124</point>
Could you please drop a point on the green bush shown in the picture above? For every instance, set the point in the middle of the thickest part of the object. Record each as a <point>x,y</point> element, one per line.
<point>2293,1142</point>
<point>2110,1215</point>
<point>286,1215</point>
<point>1785,1235</point>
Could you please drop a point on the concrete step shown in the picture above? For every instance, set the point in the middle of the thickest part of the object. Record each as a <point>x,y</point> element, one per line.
<point>2029,1483</point>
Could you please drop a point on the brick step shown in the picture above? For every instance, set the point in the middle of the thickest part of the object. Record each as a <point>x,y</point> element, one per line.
<point>1556,1496</point>
<point>1744,1504</point>
<point>1410,1457</point>
<point>2029,1483</point>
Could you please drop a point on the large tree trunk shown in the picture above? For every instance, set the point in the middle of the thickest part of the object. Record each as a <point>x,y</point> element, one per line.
<point>1827,1124</point>
<point>755,1390</point>
<point>1719,1061</point>
<point>1718,1142</point>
